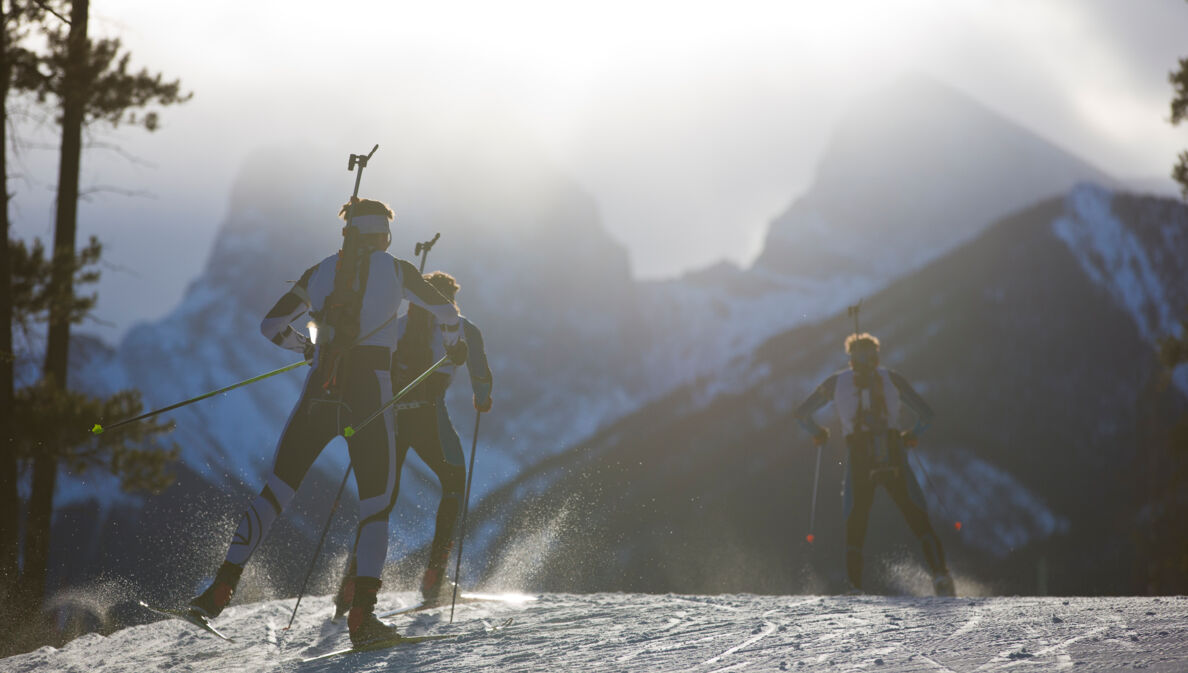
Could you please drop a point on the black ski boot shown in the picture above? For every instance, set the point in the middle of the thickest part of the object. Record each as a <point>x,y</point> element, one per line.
<point>364,626</point>
<point>210,603</point>
<point>943,585</point>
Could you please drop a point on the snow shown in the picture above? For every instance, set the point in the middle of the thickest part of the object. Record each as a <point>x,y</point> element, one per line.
<point>1111,255</point>
<point>700,634</point>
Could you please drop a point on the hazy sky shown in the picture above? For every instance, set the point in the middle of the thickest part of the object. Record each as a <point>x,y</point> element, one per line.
<point>692,124</point>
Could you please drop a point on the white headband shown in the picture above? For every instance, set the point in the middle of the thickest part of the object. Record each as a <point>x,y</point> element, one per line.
<point>371,224</point>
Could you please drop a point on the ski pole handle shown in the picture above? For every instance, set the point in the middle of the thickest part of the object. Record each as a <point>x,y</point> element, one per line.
<point>350,431</point>
<point>99,429</point>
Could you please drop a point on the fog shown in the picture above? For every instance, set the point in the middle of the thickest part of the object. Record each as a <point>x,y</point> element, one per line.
<point>691,125</point>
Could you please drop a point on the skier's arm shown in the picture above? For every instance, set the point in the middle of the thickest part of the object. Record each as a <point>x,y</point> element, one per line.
<point>288,308</point>
<point>821,396</point>
<point>912,399</point>
<point>418,291</point>
<point>476,365</point>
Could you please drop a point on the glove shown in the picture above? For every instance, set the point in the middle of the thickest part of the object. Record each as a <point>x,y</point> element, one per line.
<point>457,352</point>
<point>909,438</point>
<point>482,407</point>
<point>821,437</point>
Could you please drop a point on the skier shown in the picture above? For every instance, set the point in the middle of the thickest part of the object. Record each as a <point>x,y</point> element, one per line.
<point>868,409</point>
<point>424,426</point>
<point>355,328</point>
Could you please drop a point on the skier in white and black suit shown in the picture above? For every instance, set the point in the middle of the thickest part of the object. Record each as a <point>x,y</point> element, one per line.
<point>349,381</point>
<point>868,408</point>
<point>424,426</point>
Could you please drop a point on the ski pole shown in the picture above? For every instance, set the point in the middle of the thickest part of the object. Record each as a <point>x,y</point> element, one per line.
<point>932,487</point>
<point>99,429</point>
<point>813,510</point>
<point>478,415</point>
<point>423,249</point>
<point>318,551</point>
<point>351,430</point>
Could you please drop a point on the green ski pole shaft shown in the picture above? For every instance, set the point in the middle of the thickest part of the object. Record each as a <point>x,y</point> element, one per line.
<point>351,430</point>
<point>99,429</point>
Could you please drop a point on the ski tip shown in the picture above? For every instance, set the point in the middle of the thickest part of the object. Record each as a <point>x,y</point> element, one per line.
<point>349,432</point>
<point>97,430</point>
<point>810,538</point>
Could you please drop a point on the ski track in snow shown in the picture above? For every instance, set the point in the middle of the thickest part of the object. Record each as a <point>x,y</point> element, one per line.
<point>691,634</point>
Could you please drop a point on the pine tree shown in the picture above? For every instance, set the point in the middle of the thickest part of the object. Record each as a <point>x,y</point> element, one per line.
<point>1179,113</point>
<point>88,82</point>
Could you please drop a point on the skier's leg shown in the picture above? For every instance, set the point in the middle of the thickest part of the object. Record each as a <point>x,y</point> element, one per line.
<point>908,496</point>
<point>859,494</point>
<point>438,445</point>
<point>373,452</point>
<point>307,431</point>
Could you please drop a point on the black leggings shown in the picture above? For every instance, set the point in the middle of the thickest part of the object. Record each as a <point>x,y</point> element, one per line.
<point>314,421</point>
<point>429,432</point>
<point>905,492</point>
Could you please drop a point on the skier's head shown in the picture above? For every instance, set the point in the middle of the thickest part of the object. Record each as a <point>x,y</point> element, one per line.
<point>444,283</point>
<point>372,219</point>
<point>863,350</point>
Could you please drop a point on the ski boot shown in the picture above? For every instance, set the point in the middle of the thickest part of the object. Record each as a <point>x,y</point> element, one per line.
<point>942,584</point>
<point>362,623</point>
<point>210,603</point>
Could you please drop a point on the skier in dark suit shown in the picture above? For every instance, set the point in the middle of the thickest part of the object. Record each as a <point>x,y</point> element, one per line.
<point>868,398</point>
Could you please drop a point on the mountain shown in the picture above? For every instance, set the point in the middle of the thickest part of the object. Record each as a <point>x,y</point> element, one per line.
<point>911,172</point>
<point>1035,343</point>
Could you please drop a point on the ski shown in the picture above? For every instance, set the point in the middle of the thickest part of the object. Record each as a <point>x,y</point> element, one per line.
<point>379,645</point>
<point>187,616</point>
<point>488,627</point>
<point>462,598</point>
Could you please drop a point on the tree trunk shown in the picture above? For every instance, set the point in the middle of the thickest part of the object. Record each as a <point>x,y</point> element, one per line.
<point>45,465</point>
<point>9,501</point>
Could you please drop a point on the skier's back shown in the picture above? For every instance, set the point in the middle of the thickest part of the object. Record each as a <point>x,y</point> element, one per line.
<point>354,297</point>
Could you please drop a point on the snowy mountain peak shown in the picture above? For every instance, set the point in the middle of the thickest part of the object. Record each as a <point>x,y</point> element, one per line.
<point>911,172</point>
<point>1114,254</point>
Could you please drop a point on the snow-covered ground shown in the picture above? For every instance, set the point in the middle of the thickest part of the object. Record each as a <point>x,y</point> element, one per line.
<point>696,634</point>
